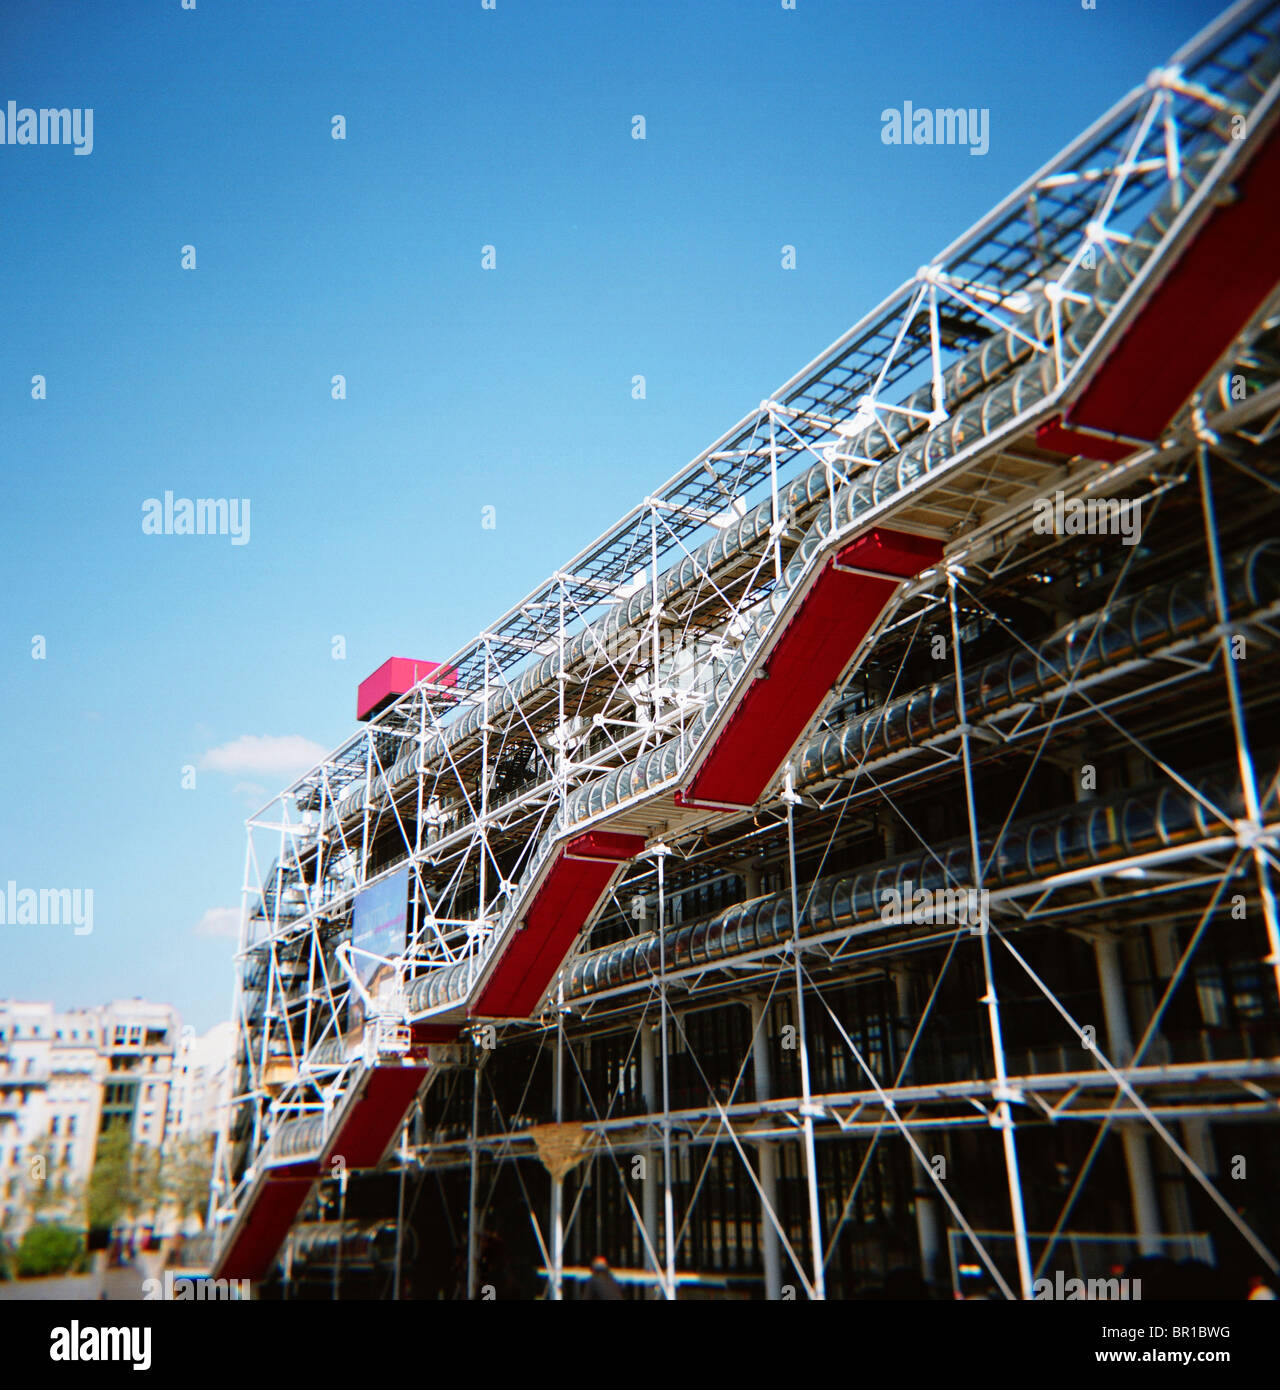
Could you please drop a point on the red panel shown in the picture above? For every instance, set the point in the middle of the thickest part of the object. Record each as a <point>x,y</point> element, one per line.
<point>394,677</point>
<point>606,845</point>
<point>814,649</point>
<point>1054,436</point>
<point>901,554</point>
<point>568,896</point>
<point>1208,295</point>
<point>371,1122</point>
<point>366,1132</point>
<point>263,1227</point>
<point>426,1033</point>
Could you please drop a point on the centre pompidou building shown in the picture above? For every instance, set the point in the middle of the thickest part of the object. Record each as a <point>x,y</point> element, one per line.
<point>855,871</point>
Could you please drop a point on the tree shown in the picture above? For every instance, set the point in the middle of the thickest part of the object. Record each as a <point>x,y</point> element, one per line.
<point>48,1248</point>
<point>188,1176</point>
<point>124,1180</point>
<point>148,1181</point>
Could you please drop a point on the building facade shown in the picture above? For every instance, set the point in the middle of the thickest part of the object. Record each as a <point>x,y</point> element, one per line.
<point>202,1084</point>
<point>65,1078</point>
<point>854,873</point>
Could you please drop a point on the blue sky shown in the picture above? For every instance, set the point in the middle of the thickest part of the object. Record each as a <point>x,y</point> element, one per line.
<point>512,388</point>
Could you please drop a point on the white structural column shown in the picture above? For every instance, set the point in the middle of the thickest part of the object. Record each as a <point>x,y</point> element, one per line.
<point>1001,1092</point>
<point>928,1229</point>
<point>473,1260</point>
<point>806,1103</point>
<point>482,907</point>
<point>649,1196</point>
<point>1137,1152</point>
<point>660,853</point>
<point>557,1183</point>
<point>766,1154</point>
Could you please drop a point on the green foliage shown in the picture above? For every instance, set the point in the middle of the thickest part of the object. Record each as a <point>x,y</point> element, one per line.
<point>48,1248</point>
<point>188,1176</point>
<point>125,1180</point>
<point>111,1179</point>
<point>129,1182</point>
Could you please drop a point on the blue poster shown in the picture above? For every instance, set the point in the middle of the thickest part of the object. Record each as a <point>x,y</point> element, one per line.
<point>378,920</point>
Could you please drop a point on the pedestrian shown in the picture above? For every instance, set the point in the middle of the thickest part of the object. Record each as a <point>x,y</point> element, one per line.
<point>602,1284</point>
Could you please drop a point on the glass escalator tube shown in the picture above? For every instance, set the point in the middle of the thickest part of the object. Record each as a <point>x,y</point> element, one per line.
<point>1067,839</point>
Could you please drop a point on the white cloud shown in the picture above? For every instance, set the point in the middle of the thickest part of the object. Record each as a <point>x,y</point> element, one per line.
<point>262,754</point>
<point>220,921</point>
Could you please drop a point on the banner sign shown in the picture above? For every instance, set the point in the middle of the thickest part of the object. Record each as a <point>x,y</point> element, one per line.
<point>378,921</point>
